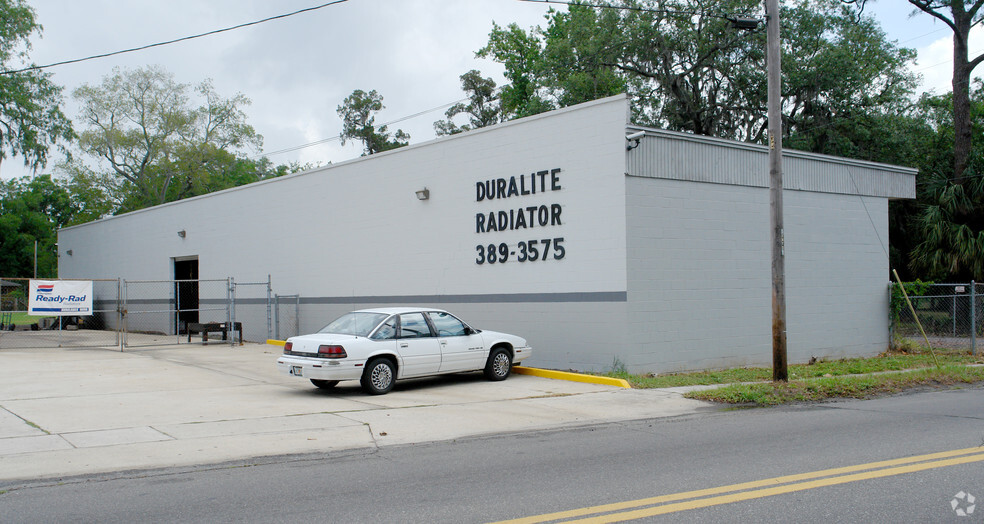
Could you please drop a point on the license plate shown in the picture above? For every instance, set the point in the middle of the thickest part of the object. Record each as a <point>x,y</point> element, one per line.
<point>296,371</point>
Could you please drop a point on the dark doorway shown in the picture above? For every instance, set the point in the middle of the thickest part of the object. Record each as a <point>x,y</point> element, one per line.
<point>186,291</point>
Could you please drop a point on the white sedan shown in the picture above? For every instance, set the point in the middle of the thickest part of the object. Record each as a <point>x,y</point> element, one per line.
<point>378,346</point>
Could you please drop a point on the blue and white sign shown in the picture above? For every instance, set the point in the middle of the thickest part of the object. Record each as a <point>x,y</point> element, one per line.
<point>60,298</point>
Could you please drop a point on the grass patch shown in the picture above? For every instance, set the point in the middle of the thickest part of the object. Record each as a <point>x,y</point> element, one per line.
<point>888,361</point>
<point>845,378</point>
<point>817,389</point>
<point>21,318</point>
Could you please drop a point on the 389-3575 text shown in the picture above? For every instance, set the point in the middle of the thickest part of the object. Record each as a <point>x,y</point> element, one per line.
<point>525,251</point>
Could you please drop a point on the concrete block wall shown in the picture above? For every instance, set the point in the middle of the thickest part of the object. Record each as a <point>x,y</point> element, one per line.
<point>696,255</point>
<point>699,272</point>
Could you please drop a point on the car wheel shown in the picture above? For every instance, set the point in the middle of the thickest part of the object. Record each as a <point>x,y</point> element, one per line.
<point>378,377</point>
<point>324,384</point>
<point>499,365</point>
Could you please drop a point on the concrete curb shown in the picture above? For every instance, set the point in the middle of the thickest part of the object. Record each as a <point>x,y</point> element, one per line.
<point>272,342</point>
<point>571,377</point>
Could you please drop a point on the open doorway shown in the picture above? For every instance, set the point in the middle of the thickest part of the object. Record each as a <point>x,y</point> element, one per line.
<point>186,292</point>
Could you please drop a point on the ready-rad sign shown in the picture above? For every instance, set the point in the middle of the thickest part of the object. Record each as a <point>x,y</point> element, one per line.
<point>60,298</point>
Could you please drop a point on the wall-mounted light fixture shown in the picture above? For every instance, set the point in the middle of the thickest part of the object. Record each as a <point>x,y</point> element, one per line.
<point>182,233</point>
<point>69,252</point>
<point>423,194</point>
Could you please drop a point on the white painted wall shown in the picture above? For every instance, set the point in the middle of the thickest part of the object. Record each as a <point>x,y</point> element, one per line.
<point>355,233</point>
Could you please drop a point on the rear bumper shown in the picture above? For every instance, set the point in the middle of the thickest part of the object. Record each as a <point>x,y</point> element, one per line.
<point>320,368</point>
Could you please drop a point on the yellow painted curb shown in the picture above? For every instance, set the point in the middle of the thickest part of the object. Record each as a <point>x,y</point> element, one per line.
<point>572,377</point>
<point>272,342</point>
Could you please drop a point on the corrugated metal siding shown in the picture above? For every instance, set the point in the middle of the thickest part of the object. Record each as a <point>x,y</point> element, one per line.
<point>681,156</point>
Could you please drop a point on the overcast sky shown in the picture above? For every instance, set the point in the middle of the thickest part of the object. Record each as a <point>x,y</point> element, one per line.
<point>297,70</point>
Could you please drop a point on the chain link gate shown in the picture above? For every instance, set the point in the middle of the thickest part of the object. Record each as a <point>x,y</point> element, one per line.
<point>287,310</point>
<point>252,300</point>
<point>158,312</point>
<point>18,329</point>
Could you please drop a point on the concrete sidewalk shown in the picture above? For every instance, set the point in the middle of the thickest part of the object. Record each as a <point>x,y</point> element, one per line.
<point>66,412</point>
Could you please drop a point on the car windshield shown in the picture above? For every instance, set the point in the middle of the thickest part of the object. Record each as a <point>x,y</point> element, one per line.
<point>358,324</point>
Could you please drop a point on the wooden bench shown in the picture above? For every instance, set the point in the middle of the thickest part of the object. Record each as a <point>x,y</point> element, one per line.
<point>215,327</point>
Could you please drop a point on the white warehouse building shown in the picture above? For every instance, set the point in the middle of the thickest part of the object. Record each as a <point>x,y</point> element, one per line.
<point>598,250</point>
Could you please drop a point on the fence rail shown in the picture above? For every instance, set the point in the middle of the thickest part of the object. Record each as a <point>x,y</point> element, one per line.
<point>951,314</point>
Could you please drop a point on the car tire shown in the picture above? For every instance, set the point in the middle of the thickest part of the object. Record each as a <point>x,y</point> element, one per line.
<point>499,365</point>
<point>378,377</point>
<point>324,384</point>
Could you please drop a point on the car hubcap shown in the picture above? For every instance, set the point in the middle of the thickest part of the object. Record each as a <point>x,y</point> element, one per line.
<point>501,364</point>
<point>381,376</point>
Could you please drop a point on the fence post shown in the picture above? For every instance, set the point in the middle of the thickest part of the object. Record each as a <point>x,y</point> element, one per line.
<point>297,314</point>
<point>123,317</point>
<point>953,315</point>
<point>177,309</point>
<point>119,313</point>
<point>231,309</point>
<point>276,316</point>
<point>973,318</point>
<point>269,316</point>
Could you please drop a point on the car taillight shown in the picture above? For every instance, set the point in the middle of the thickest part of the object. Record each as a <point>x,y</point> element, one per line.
<point>287,347</point>
<point>331,351</point>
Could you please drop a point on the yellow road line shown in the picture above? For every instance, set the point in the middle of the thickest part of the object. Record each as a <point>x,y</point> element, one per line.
<point>769,487</point>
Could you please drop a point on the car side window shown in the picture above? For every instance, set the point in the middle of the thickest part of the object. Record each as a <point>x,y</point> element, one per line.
<point>386,331</point>
<point>413,325</point>
<point>446,325</point>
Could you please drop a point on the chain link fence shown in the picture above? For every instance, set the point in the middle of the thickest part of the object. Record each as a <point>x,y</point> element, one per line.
<point>951,314</point>
<point>140,313</point>
<point>19,329</point>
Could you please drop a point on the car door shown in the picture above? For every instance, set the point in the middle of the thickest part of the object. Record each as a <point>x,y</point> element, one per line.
<point>418,347</point>
<point>461,348</point>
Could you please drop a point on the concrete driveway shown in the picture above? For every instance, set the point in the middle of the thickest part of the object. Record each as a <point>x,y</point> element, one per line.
<point>67,412</point>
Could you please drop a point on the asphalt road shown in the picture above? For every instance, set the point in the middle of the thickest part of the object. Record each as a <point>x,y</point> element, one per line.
<point>771,465</point>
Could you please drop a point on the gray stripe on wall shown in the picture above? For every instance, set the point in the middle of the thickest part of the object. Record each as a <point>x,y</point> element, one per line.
<point>597,296</point>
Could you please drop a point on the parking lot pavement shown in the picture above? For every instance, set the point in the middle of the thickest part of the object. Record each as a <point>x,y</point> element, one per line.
<point>67,411</point>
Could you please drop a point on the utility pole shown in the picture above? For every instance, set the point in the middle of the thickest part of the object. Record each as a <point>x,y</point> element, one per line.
<point>779,369</point>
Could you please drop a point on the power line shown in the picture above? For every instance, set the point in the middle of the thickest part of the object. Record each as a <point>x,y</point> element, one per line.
<point>182,39</point>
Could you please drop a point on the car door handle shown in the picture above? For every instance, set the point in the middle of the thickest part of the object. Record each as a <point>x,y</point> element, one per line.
<point>404,345</point>
<point>444,342</point>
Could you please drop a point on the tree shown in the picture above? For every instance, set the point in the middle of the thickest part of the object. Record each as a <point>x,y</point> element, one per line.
<point>358,114</point>
<point>157,145</point>
<point>520,52</point>
<point>31,209</point>
<point>844,82</point>
<point>686,68</point>
<point>30,120</point>
<point>948,223</point>
<point>484,108</point>
<point>960,16</point>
